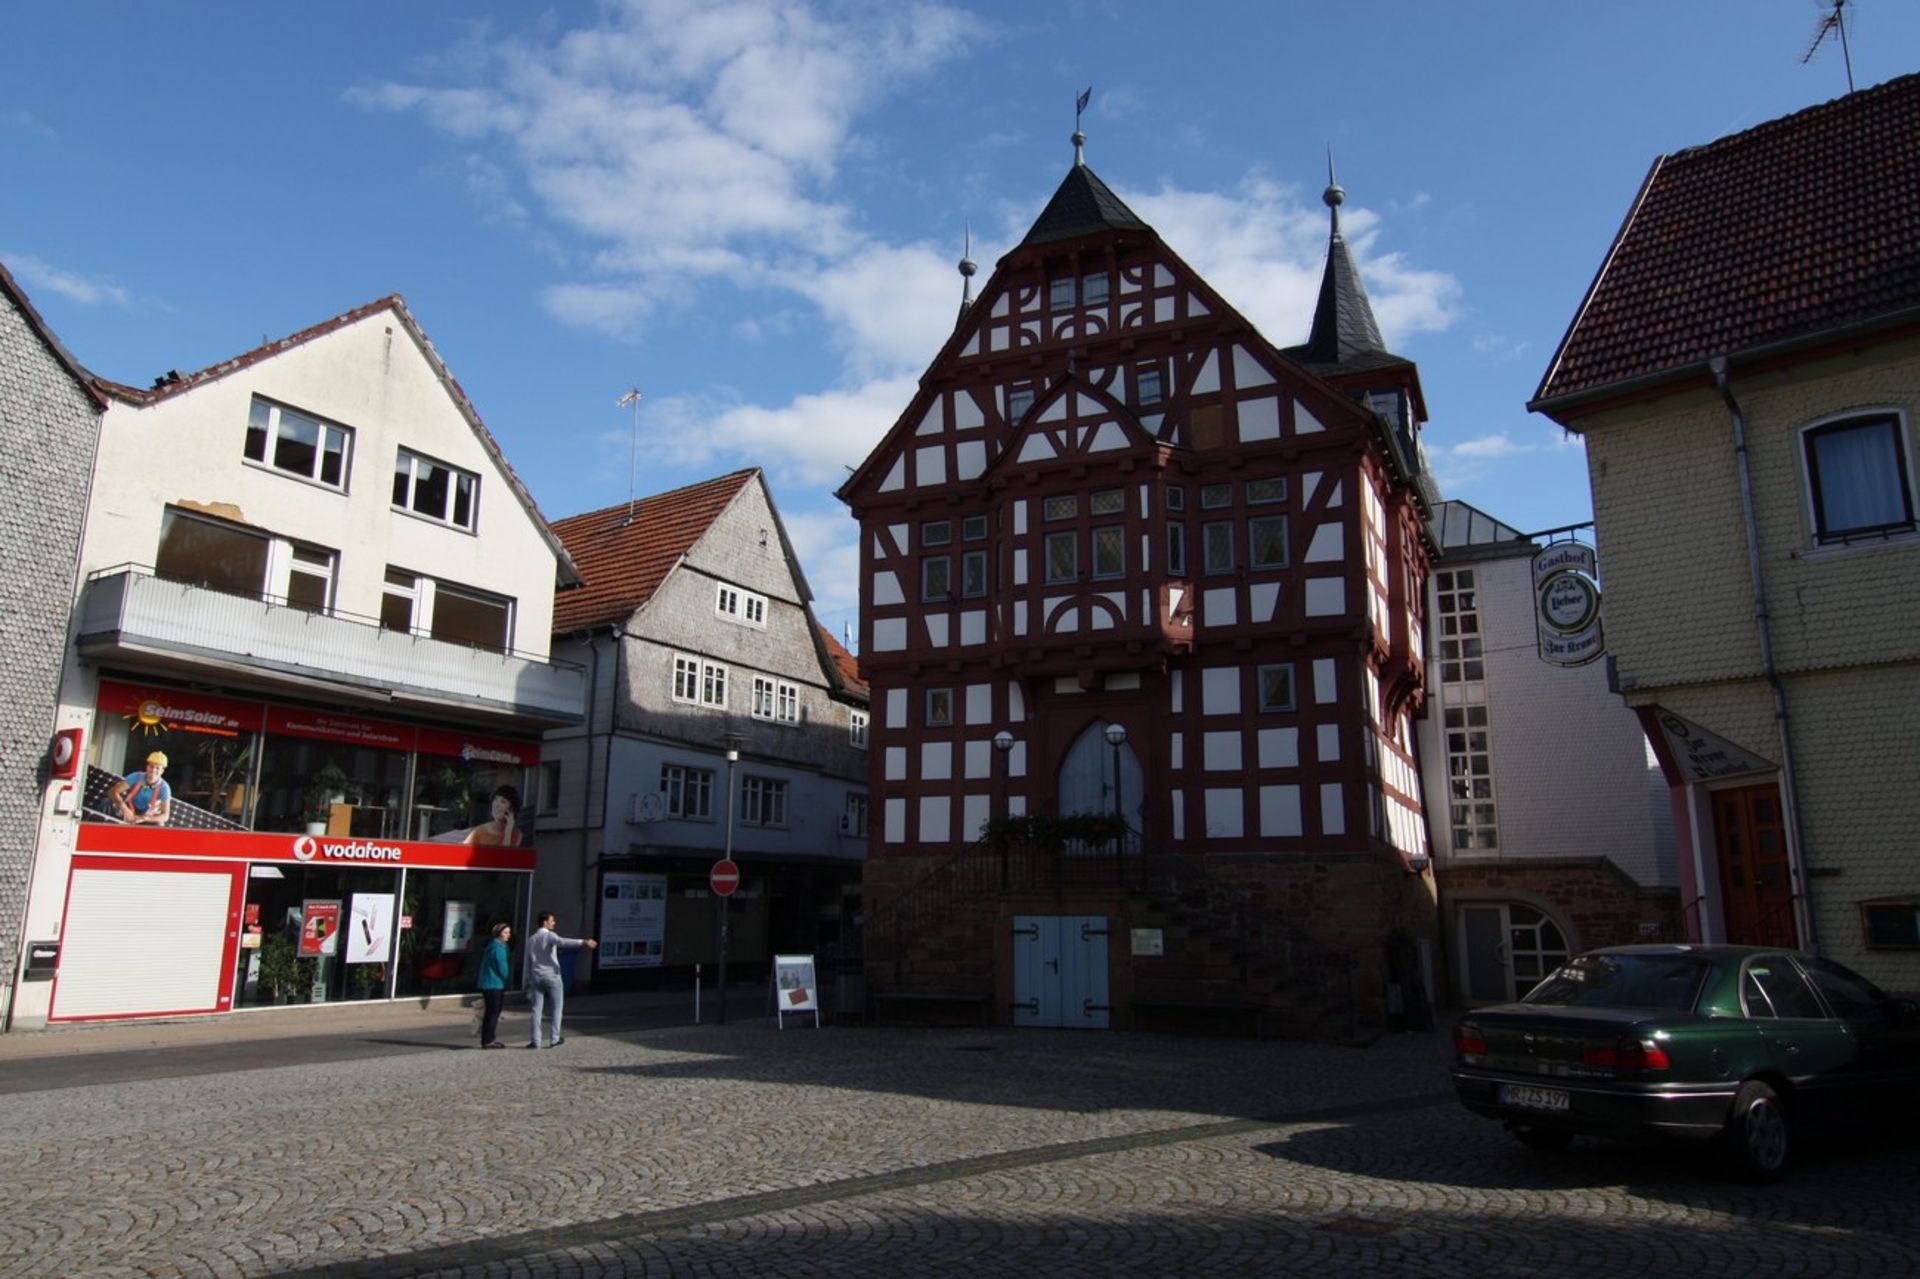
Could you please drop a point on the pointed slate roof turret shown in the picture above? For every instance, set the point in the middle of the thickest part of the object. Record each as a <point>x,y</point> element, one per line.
<point>1344,331</point>
<point>1082,205</point>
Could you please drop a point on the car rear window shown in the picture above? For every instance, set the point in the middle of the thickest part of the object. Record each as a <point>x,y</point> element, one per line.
<point>1624,981</point>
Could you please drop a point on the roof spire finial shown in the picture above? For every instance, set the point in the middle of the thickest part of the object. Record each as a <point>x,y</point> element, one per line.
<point>967,268</point>
<point>1079,138</point>
<point>1334,195</point>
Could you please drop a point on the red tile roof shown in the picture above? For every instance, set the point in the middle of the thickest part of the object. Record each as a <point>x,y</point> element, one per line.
<point>844,662</point>
<point>624,561</point>
<point>1793,230</point>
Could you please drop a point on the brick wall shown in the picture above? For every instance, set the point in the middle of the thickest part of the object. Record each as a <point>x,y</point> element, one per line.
<point>48,433</point>
<point>1592,898</point>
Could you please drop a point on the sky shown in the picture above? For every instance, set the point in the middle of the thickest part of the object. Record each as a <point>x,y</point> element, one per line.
<point>752,211</point>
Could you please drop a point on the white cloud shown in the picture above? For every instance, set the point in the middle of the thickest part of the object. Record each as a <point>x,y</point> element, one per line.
<point>827,542</point>
<point>1499,345</point>
<point>812,440</point>
<point>40,276</point>
<point>27,122</point>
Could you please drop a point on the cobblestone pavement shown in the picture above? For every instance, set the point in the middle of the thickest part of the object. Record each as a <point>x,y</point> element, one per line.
<point>749,1150</point>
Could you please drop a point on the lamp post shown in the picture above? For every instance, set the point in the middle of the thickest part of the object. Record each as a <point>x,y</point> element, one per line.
<point>733,757</point>
<point>1116,738</point>
<point>1003,747</point>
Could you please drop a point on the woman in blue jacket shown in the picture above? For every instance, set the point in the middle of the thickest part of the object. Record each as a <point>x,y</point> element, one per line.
<point>495,973</point>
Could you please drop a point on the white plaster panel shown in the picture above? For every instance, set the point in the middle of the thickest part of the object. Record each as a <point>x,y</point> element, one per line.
<point>936,630</point>
<point>1121,681</point>
<point>969,459</point>
<point>902,537</point>
<point>896,476</point>
<point>1219,690</point>
<point>1220,606</point>
<point>1221,752</point>
<point>1329,544</point>
<point>1162,278</point>
<point>1020,517</point>
<point>1325,686</point>
<point>1067,685</point>
<point>1056,410</point>
<point>1107,437</point>
<point>1326,596</point>
<point>979,759</point>
<point>1017,763</point>
<point>1337,496</point>
<point>1176,690</point>
<point>1020,566</point>
<point>1248,371</point>
<point>933,423</point>
<point>1195,307</point>
<point>967,413</point>
<point>974,814</point>
<point>886,591</point>
<point>1179,815</point>
<point>1037,447</point>
<point>896,763</point>
<point>1333,813</point>
<point>1130,314</point>
<point>1280,811</point>
<point>1226,813</point>
<point>979,703</point>
<point>1328,746</point>
<point>936,761</point>
<point>1016,702</point>
<point>1207,380</point>
<point>1063,617</point>
<point>896,708</point>
<point>1279,748</point>
<point>973,344</point>
<point>1086,406</point>
<point>1019,617</point>
<point>1263,601</point>
<point>1000,306</point>
<point>889,634</point>
<point>998,338</point>
<point>1259,419</point>
<point>973,626</point>
<point>896,821</point>
<point>1152,422</point>
<point>936,819</point>
<point>1177,751</point>
<point>1304,422</point>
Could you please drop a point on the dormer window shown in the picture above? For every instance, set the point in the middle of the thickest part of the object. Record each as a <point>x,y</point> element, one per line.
<point>298,444</point>
<point>434,490</point>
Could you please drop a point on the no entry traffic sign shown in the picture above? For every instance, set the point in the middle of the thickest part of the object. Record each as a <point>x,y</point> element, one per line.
<point>724,877</point>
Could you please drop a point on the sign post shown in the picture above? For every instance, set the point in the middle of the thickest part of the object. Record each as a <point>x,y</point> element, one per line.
<point>723,879</point>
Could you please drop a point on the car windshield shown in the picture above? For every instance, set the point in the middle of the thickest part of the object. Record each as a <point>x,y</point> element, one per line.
<point>1624,981</point>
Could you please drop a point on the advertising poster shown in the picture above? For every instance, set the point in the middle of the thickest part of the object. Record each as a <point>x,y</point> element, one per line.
<point>633,920</point>
<point>456,930</point>
<point>370,928</point>
<point>793,987</point>
<point>319,929</point>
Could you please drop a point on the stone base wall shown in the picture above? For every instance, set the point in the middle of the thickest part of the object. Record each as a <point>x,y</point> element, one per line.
<point>1592,899</point>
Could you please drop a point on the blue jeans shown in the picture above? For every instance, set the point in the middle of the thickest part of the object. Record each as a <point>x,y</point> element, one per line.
<point>543,992</point>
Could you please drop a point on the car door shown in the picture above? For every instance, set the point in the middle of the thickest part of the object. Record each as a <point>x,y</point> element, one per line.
<point>1886,1035</point>
<point>1813,1050</point>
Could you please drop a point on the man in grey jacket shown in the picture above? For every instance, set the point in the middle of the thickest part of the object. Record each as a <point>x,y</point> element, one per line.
<point>546,986</point>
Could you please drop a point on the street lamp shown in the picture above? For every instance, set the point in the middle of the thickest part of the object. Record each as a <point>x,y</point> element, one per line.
<point>1116,738</point>
<point>733,757</point>
<point>1003,747</point>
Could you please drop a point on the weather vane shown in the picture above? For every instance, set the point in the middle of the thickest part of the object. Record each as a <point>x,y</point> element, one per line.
<point>1079,138</point>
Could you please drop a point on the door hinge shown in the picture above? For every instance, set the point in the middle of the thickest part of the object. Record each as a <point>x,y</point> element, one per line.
<point>1031,930</point>
<point>1029,1005</point>
<point>1090,1007</point>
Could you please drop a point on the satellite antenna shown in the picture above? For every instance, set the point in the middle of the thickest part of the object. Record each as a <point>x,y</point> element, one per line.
<point>632,397</point>
<point>1835,20</point>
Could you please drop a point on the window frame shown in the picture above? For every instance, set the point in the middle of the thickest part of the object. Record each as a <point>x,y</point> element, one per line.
<point>1290,703</point>
<point>1149,387</point>
<point>1115,538</point>
<point>1062,294</point>
<point>1894,420</point>
<point>270,437</point>
<point>939,708</point>
<point>695,680</point>
<point>763,801</point>
<point>1254,526</point>
<point>855,812</point>
<point>681,782</point>
<point>973,574</point>
<point>1207,531</point>
<point>934,567</point>
<point>857,729</point>
<point>456,474</point>
<point>1069,538</point>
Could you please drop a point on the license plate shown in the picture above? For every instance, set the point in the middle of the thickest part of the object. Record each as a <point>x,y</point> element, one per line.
<point>1528,1097</point>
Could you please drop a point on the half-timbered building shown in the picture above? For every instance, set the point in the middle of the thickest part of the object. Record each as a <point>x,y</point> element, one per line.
<point>1142,620</point>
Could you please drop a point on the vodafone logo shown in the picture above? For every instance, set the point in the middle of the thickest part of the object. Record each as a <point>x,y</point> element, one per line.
<point>306,848</point>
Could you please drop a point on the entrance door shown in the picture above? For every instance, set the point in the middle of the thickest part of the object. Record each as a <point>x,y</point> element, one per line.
<point>1750,838</point>
<point>1506,948</point>
<point>1060,971</point>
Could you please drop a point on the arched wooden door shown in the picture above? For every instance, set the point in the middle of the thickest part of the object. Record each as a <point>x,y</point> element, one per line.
<point>1087,777</point>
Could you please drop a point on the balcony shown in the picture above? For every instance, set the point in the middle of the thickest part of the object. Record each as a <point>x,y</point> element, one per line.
<point>129,616</point>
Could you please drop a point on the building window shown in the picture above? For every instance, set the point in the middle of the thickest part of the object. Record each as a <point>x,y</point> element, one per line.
<point>1264,491</point>
<point>1148,387</point>
<point>1064,507</point>
<point>762,707</point>
<point>435,490</point>
<point>1176,499</point>
<point>462,615</point>
<point>853,818</point>
<point>1217,543</point>
<point>300,445</point>
<point>1461,658</point>
<point>700,682</point>
<point>787,703</point>
<point>1470,778</point>
<point>1267,541</point>
<point>1060,295</point>
<point>1857,471</point>
<point>1177,550</point>
<point>1095,289</point>
<point>936,577</point>
<point>939,707</point>
<point>763,801</point>
<point>549,803</point>
<point>1109,552</point>
<point>973,574</point>
<point>688,792</point>
<point>399,600</point>
<point>1063,557</point>
<point>1214,497</point>
<point>1276,687</point>
<point>1108,502</point>
<point>936,533</point>
<point>237,560</point>
<point>973,528</point>
<point>857,729</point>
<point>741,606</point>
<point>1018,403</point>
<point>310,579</point>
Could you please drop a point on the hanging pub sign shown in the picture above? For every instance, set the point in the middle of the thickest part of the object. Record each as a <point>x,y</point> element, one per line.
<point>1566,593</point>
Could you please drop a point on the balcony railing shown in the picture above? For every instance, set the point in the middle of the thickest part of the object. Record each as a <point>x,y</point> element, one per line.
<point>128,611</point>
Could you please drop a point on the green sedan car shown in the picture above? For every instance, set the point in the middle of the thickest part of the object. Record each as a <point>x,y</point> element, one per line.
<point>1742,1045</point>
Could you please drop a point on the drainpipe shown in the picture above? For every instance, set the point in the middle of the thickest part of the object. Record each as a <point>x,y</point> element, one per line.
<point>1789,790</point>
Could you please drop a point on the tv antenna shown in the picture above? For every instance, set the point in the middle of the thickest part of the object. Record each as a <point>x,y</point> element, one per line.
<point>632,397</point>
<point>1835,20</point>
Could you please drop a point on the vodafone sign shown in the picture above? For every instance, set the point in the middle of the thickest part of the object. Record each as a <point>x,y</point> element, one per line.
<point>305,850</point>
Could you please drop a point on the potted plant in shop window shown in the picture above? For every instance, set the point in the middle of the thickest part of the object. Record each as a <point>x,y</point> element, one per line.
<point>279,973</point>
<point>327,788</point>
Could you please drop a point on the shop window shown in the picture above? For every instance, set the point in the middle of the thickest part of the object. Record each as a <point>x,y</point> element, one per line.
<point>293,442</point>
<point>434,490</point>
<point>687,792</point>
<point>1859,477</point>
<point>763,801</point>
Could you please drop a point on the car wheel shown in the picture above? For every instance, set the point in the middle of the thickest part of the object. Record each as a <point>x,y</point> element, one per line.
<point>1542,1136</point>
<point>1759,1134</point>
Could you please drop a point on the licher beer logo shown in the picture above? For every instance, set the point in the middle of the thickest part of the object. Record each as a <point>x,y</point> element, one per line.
<point>306,848</point>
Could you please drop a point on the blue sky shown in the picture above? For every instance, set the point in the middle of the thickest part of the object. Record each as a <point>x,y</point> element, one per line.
<point>753,210</point>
